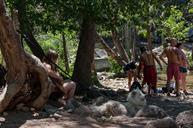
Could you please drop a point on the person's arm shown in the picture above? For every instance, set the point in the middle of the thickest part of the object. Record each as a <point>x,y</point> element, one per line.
<point>141,63</point>
<point>53,74</point>
<point>157,60</point>
<point>163,54</point>
<point>185,59</point>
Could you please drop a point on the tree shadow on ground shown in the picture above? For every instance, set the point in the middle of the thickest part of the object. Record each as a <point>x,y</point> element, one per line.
<point>15,119</point>
<point>172,105</point>
<point>18,119</point>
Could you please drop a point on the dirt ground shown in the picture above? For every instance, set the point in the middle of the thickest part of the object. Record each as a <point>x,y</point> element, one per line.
<point>51,119</point>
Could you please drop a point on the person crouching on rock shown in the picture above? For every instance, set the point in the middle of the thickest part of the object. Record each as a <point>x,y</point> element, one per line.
<point>66,86</point>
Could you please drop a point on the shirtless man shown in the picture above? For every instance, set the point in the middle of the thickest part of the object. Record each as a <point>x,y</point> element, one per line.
<point>147,61</point>
<point>66,86</point>
<point>173,55</point>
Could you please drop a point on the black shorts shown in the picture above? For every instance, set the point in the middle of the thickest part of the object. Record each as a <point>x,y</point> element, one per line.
<point>183,69</point>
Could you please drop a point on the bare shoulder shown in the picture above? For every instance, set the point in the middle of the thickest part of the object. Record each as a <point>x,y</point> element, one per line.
<point>47,65</point>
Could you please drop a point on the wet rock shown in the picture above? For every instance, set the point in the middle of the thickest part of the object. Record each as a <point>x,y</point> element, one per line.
<point>185,119</point>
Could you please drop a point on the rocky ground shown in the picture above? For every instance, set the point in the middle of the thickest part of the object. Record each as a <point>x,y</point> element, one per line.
<point>52,117</point>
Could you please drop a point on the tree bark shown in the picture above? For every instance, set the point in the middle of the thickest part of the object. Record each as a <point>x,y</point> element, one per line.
<point>26,30</point>
<point>34,45</point>
<point>18,64</point>
<point>85,54</point>
<point>65,54</point>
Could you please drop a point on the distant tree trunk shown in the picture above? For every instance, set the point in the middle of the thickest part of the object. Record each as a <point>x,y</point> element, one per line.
<point>126,39</point>
<point>110,51</point>
<point>85,54</point>
<point>119,46</point>
<point>130,42</point>
<point>149,38</point>
<point>65,53</point>
<point>18,64</point>
<point>133,51</point>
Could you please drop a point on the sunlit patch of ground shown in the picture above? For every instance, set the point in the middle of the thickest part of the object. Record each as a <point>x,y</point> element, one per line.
<point>162,80</point>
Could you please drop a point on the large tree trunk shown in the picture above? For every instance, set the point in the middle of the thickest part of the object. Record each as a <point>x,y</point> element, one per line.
<point>85,54</point>
<point>33,44</point>
<point>18,64</point>
<point>26,30</point>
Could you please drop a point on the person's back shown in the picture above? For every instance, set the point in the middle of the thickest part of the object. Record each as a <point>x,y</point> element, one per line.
<point>147,60</point>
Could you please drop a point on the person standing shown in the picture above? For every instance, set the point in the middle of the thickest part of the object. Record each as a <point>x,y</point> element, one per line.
<point>173,61</point>
<point>147,61</point>
<point>183,67</point>
<point>130,68</point>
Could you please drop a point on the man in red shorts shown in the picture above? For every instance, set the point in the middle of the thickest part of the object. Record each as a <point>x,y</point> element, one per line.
<point>147,61</point>
<point>173,56</point>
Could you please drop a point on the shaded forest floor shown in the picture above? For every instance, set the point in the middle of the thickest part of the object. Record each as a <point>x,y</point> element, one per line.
<point>51,119</point>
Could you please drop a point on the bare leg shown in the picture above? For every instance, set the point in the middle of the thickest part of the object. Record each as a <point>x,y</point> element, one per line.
<point>183,83</point>
<point>177,87</point>
<point>69,89</point>
<point>129,79</point>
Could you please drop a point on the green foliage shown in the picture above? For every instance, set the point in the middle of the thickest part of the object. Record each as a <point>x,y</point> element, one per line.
<point>175,25</point>
<point>115,67</point>
<point>50,41</point>
<point>190,61</point>
<point>56,16</point>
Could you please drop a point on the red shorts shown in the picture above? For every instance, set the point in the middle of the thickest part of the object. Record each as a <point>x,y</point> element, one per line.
<point>150,75</point>
<point>173,70</point>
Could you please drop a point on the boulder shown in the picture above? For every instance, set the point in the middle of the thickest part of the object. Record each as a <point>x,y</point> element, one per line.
<point>185,119</point>
<point>166,122</point>
<point>151,111</point>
